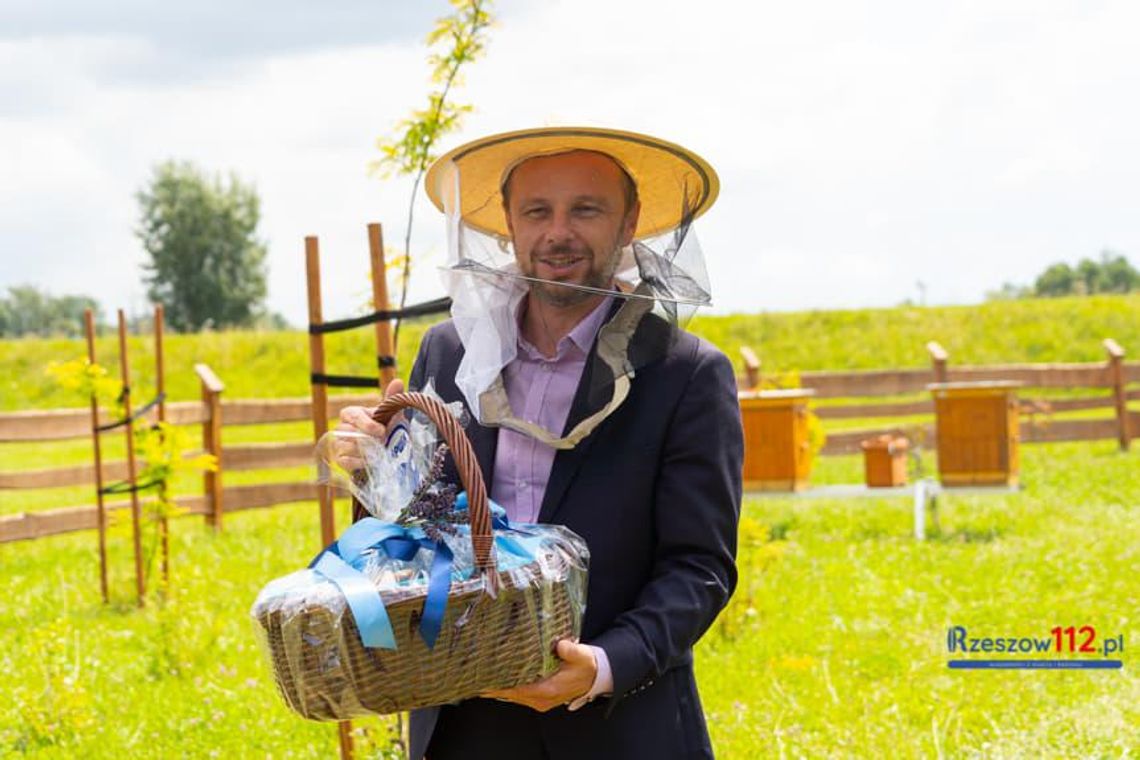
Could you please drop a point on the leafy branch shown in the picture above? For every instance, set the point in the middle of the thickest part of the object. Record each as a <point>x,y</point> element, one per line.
<point>161,446</point>
<point>412,150</point>
<point>86,379</point>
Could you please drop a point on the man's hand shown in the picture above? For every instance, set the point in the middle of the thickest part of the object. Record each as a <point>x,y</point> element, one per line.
<point>574,679</point>
<point>358,419</point>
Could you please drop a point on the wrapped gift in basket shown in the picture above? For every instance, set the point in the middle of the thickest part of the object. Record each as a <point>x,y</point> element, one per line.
<point>397,615</point>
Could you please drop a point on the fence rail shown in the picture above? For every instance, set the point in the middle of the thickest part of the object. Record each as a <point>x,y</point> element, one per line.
<point>868,383</point>
<point>863,383</point>
<point>911,408</point>
<point>1057,431</point>
<point>23,526</point>
<point>61,424</point>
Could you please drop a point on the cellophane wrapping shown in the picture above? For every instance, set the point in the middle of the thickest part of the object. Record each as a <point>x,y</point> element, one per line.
<point>491,635</point>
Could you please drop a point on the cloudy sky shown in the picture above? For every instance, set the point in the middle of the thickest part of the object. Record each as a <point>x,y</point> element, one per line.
<point>863,147</point>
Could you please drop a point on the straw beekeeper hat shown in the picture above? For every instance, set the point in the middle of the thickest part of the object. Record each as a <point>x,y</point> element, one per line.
<point>671,181</point>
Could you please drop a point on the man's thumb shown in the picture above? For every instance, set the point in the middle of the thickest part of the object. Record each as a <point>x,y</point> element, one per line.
<point>396,386</point>
<point>569,651</point>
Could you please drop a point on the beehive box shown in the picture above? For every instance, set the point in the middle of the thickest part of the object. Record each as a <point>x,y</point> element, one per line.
<point>977,433</point>
<point>884,461</point>
<point>777,449</point>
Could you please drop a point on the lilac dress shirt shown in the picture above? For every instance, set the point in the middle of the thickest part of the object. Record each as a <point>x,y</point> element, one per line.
<point>540,390</point>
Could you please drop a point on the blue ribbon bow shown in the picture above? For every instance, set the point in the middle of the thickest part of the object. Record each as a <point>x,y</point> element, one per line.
<point>337,564</point>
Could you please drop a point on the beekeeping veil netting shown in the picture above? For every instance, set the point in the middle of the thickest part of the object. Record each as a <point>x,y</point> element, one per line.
<point>659,279</point>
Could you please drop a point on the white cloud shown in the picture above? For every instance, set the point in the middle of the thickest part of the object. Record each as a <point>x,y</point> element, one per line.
<point>861,146</point>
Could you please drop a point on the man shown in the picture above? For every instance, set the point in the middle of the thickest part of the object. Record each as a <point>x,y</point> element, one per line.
<point>639,454</point>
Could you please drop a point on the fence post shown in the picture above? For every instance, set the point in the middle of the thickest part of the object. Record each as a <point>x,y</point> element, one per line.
<point>100,507</point>
<point>319,393</point>
<point>751,368</point>
<point>132,474</point>
<point>212,389</point>
<point>1115,370</point>
<point>160,396</point>
<point>385,358</point>
<point>938,357</point>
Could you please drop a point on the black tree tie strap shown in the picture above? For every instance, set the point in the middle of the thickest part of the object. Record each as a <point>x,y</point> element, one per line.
<point>124,486</point>
<point>343,381</point>
<point>143,410</point>
<point>438,306</point>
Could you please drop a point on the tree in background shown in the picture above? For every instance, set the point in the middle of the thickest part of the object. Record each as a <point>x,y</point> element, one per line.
<point>1058,280</point>
<point>1117,275</point>
<point>27,310</point>
<point>1111,274</point>
<point>412,151</point>
<point>207,267</point>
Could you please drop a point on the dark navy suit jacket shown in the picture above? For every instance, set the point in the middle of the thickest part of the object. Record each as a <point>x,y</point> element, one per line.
<point>655,492</point>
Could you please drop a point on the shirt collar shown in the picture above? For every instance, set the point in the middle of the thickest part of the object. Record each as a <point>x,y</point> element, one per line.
<point>581,337</point>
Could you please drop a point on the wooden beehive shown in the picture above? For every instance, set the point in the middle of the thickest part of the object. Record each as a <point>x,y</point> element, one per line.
<point>777,449</point>
<point>884,461</point>
<point>977,433</point>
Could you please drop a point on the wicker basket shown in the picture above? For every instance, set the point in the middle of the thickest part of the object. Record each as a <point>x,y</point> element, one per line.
<point>324,672</point>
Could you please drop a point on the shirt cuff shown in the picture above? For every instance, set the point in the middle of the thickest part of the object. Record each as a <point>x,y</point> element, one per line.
<point>603,680</point>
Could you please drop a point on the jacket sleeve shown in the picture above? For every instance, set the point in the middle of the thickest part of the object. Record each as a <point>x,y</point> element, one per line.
<point>417,378</point>
<point>695,516</point>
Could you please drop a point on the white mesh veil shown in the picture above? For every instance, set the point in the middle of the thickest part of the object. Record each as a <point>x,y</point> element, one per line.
<point>660,281</point>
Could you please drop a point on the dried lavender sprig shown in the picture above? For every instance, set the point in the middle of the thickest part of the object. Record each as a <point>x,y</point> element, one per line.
<point>433,505</point>
<point>434,473</point>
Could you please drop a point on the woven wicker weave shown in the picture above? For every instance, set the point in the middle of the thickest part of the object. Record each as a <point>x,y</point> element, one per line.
<point>324,672</point>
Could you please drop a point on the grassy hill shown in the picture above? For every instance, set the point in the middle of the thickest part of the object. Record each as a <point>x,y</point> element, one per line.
<point>262,364</point>
<point>1037,330</point>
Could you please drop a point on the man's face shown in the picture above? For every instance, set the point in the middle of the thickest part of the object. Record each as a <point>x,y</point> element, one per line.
<point>568,219</point>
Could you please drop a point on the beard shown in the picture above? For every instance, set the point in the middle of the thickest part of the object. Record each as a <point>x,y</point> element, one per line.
<point>599,275</point>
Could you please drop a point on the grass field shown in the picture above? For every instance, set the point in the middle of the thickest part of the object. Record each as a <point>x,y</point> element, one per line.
<point>833,646</point>
<point>836,646</point>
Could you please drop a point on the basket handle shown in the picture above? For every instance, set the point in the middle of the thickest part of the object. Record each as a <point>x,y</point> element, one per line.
<point>469,473</point>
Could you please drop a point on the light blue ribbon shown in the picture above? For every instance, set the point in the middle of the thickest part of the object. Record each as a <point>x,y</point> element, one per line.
<point>363,599</point>
<point>338,563</point>
<point>523,547</point>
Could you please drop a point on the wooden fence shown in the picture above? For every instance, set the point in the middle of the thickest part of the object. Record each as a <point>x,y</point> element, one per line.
<point>211,412</point>
<point>854,392</point>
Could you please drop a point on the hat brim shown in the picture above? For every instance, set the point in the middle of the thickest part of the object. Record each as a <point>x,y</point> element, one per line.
<point>671,181</point>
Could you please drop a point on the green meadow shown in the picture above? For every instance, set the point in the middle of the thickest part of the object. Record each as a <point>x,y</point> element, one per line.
<point>264,365</point>
<point>833,646</point>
